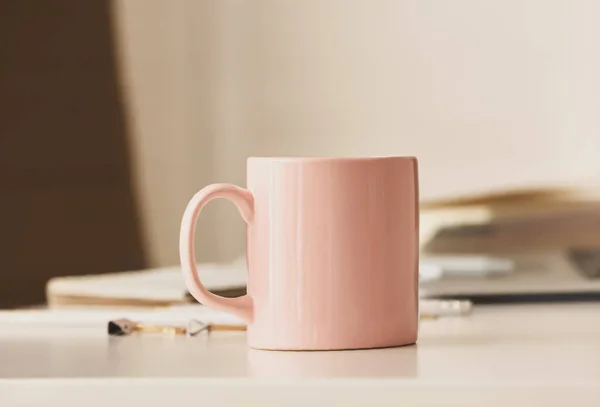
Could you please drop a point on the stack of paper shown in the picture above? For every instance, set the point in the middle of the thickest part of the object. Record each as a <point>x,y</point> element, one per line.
<point>536,228</point>
<point>542,219</point>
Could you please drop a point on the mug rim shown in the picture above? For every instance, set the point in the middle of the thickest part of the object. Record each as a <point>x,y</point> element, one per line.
<point>337,159</point>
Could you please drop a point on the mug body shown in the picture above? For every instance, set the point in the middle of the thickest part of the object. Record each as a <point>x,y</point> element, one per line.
<point>333,253</point>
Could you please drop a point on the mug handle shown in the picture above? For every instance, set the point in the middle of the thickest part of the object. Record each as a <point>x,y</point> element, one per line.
<point>241,307</point>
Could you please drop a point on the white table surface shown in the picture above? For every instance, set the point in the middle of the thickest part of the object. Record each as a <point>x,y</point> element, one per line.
<point>499,355</point>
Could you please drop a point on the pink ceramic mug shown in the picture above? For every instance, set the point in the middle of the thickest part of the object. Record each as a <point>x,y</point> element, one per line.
<point>332,252</point>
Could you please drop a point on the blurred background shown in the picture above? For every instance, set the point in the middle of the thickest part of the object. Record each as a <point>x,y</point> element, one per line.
<point>114,113</point>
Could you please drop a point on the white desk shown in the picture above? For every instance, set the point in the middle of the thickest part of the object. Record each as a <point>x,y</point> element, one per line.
<point>500,355</point>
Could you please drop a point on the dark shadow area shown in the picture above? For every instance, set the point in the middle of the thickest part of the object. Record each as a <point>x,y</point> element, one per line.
<point>66,200</point>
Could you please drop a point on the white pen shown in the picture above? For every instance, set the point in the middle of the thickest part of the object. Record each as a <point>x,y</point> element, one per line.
<point>441,308</point>
<point>469,266</point>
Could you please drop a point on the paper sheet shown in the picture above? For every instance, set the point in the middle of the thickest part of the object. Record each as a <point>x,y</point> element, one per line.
<point>99,316</point>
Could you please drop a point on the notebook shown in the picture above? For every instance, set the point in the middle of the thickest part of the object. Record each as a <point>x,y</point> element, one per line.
<point>152,287</point>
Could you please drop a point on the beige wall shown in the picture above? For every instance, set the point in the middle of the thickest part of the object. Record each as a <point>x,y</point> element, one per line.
<point>487,94</point>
